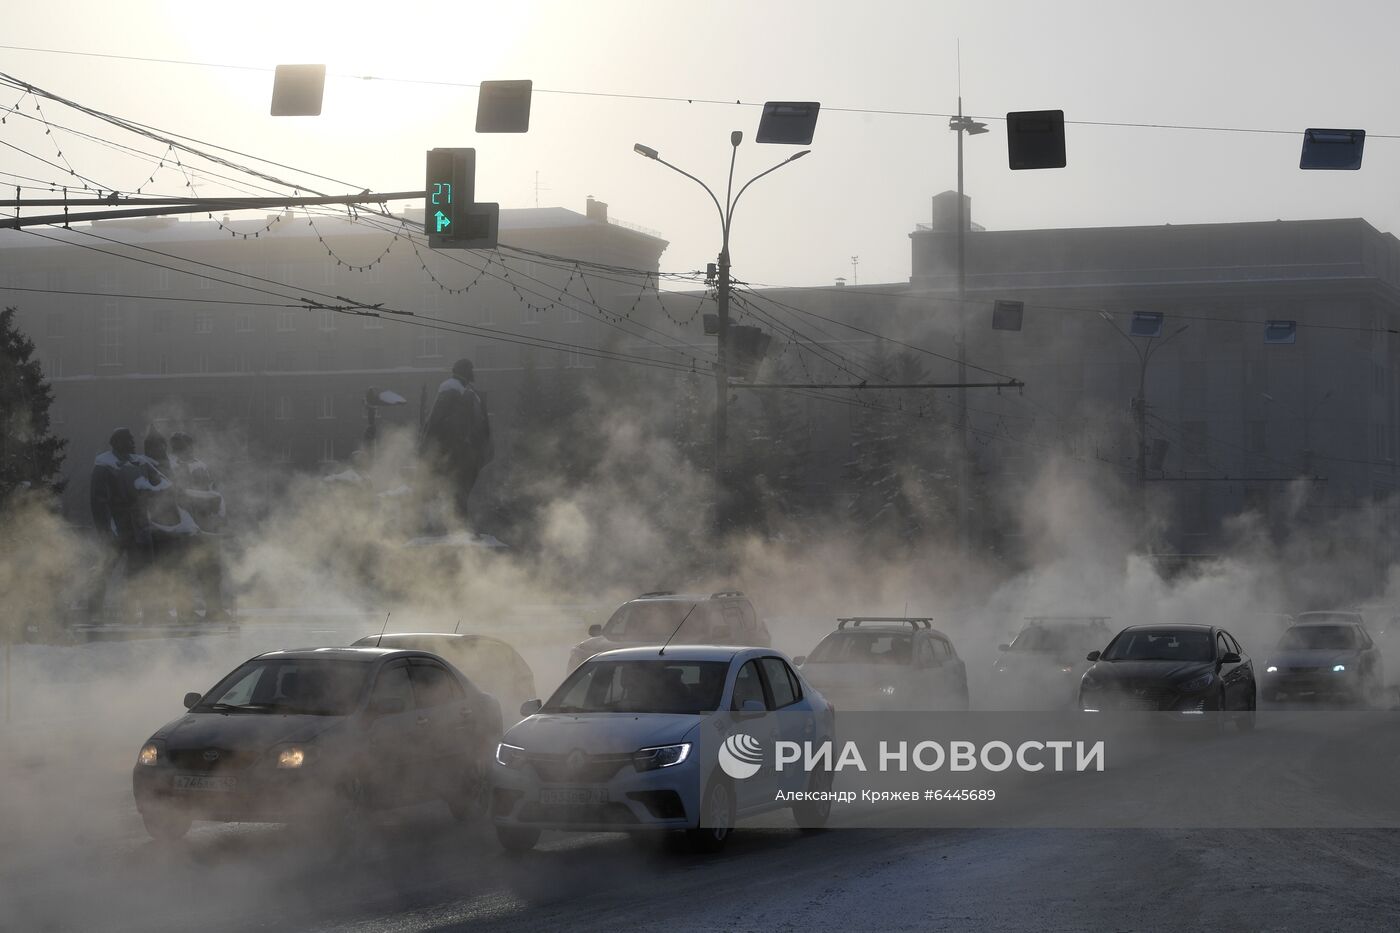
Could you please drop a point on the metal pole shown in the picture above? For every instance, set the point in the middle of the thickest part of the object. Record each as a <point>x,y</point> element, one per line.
<point>722,385</point>
<point>964,471</point>
<point>1140,403</point>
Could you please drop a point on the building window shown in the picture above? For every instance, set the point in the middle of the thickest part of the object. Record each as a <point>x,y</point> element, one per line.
<point>284,452</point>
<point>201,362</point>
<point>162,320</point>
<point>327,321</point>
<point>109,338</point>
<point>429,345</point>
<point>576,360</point>
<point>163,364</point>
<point>202,407</point>
<point>533,315</point>
<point>571,315</point>
<point>53,362</point>
<point>282,411</point>
<point>204,323</point>
<point>243,322</point>
<point>243,361</point>
<point>373,322</point>
<point>205,283</point>
<point>327,409</point>
<point>286,321</point>
<point>327,450</point>
<point>162,280</point>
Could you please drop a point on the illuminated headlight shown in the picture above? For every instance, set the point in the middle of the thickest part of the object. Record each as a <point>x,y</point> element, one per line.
<point>660,756</point>
<point>887,690</point>
<point>512,756</point>
<point>1198,683</point>
<point>293,756</point>
<point>1338,668</point>
<point>1065,670</point>
<point>149,754</point>
<point>1271,669</point>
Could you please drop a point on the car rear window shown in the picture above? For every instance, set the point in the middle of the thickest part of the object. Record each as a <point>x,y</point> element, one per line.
<point>863,647</point>
<point>1334,637</point>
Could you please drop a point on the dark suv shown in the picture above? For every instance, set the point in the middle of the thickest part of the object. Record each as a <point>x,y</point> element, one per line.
<point>724,618</point>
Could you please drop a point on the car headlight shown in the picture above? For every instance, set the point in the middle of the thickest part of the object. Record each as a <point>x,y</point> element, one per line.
<point>1088,683</point>
<point>1338,668</point>
<point>512,756</point>
<point>1196,683</point>
<point>888,690</point>
<point>660,756</point>
<point>293,756</point>
<point>149,754</point>
<point>1271,669</point>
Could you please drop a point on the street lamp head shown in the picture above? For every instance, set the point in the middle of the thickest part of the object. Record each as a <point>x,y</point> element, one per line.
<point>797,155</point>
<point>1266,396</point>
<point>647,151</point>
<point>975,129</point>
<point>1106,316</point>
<point>736,137</point>
<point>1183,327</point>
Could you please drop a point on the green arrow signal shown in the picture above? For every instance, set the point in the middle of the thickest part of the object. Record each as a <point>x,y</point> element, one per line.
<point>442,221</point>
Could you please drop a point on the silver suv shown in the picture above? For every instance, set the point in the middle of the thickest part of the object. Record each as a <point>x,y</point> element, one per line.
<point>723,618</point>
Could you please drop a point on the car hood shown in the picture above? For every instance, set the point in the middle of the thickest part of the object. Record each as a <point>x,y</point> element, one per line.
<point>242,730</point>
<point>599,733</point>
<point>1107,672</point>
<point>1313,657</point>
<point>1037,662</point>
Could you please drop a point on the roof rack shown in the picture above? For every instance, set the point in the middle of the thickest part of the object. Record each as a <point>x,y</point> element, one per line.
<point>1083,618</point>
<point>724,594</point>
<point>914,623</point>
<point>658,593</point>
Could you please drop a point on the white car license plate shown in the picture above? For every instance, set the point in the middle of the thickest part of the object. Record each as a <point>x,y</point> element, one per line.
<point>573,796</point>
<point>205,782</point>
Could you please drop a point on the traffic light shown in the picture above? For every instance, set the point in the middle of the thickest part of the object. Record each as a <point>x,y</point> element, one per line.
<point>1036,139</point>
<point>451,189</point>
<point>747,348</point>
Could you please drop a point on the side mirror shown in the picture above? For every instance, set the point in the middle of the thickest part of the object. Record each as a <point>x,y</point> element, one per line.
<point>387,706</point>
<point>1003,647</point>
<point>1093,656</point>
<point>1230,657</point>
<point>530,707</point>
<point>192,700</point>
<point>800,660</point>
<point>595,630</point>
<point>749,709</point>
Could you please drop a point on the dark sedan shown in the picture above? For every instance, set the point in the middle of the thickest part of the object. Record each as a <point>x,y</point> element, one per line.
<point>1189,670</point>
<point>321,734</point>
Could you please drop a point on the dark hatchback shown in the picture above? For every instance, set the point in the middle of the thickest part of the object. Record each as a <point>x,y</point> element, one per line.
<point>320,734</point>
<point>1189,670</point>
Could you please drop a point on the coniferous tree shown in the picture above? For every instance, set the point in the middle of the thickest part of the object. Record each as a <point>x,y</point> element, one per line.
<point>30,457</point>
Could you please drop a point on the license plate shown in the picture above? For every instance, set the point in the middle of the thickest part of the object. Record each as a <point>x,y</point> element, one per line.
<point>205,782</point>
<point>573,796</point>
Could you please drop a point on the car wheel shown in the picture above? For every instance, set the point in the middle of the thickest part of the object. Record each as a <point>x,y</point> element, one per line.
<point>517,838</point>
<point>1244,722</point>
<point>470,801</point>
<point>716,819</point>
<point>166,824</point>
<point>811,815</point>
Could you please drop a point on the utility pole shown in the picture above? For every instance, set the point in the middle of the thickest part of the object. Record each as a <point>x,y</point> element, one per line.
<point>855,265</point>
<point>961,125</point>
<point>722,289</point>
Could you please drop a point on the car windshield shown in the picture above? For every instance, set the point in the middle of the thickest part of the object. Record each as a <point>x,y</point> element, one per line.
<point>1327,637</point>
<point>316,687</point>
<point>659,686</point>
<point>1160,645</point>
<point>864,647</point>
<point>654,620</point>
<point>1056,640</point>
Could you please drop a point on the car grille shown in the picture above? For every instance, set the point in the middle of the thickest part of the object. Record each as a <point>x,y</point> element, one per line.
<point>615,813</point>
<point>575,769</point>
<point>196,759</point>
<point>1302,670</point>
<point>1144,697</point>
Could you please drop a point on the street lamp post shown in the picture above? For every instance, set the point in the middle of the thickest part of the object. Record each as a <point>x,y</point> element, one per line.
<point>963,125</point>
<point>726,219</point>
<point>1144,355</point>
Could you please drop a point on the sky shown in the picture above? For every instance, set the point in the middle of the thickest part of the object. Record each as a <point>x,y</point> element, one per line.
<point>612,73</point>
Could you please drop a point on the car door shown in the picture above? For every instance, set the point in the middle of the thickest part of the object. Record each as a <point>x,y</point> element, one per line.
<point>757,791</point>
<point>951,673</point>
<point>390,761</point>
<point>443,720</point>
<point>1233,675</point>
<point>795,724</point>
